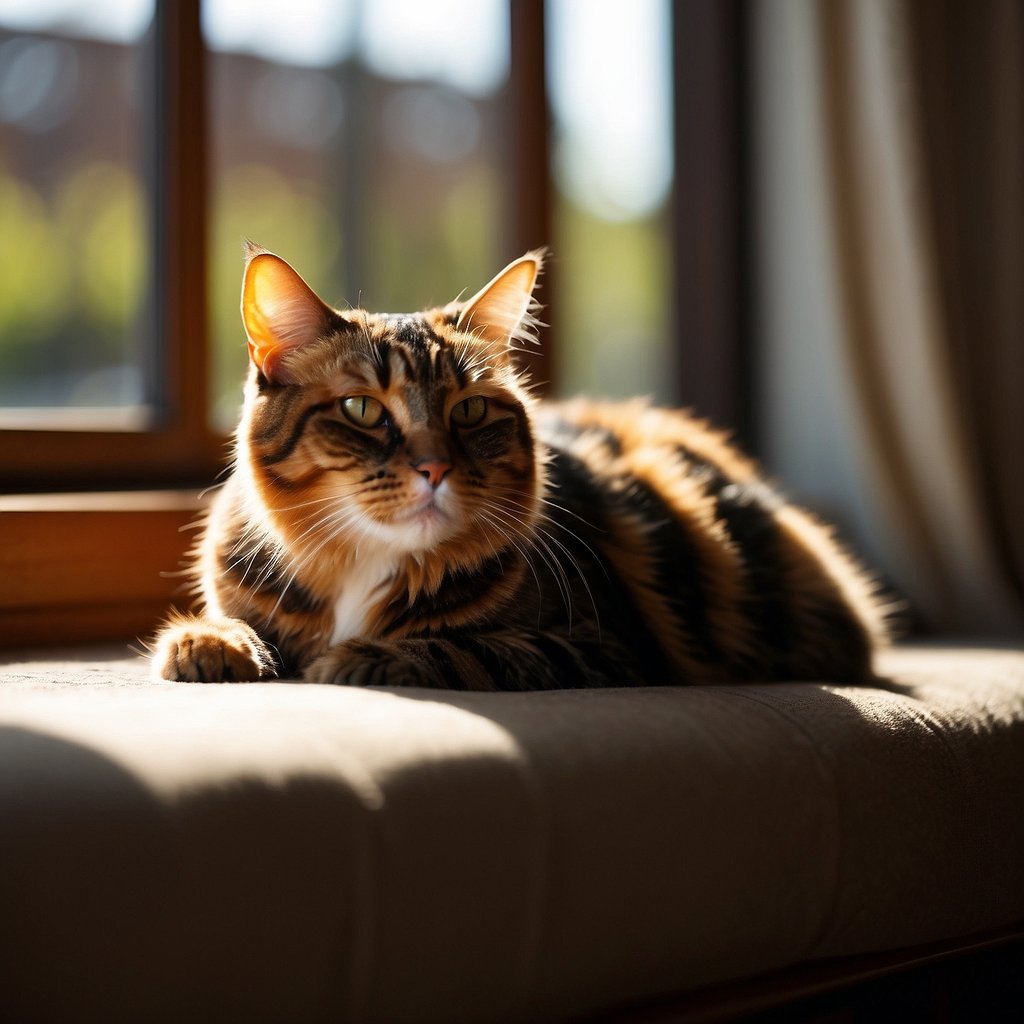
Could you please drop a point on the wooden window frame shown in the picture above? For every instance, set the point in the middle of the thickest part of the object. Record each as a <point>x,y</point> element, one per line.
<point>713,231</point>
<point>178,448</point>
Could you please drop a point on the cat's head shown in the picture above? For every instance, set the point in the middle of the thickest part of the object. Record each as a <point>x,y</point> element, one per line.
<point>408,434</point>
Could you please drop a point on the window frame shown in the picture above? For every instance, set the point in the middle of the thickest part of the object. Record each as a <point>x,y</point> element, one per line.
<point>713,227</point>
<point>177,448</point>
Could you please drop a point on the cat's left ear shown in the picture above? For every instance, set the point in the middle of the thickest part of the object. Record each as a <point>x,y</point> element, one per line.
<point>500,311</point>
<point>280,312</point>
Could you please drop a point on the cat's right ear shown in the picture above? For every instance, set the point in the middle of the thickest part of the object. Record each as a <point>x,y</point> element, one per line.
<point>500,312</point>
<point>280,312</point>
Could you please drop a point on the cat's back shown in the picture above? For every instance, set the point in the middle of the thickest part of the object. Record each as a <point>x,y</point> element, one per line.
<point>737,582</point>
<point>635,436</point>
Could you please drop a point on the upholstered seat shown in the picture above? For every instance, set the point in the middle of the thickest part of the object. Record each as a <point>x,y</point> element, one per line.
<point>291,852</point>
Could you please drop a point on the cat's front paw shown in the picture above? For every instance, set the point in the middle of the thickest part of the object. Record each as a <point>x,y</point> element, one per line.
<point>366,664</point>
<point>191,649</point>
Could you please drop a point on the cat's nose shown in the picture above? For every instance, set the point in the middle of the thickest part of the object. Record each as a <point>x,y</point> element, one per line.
<point>432,470</point>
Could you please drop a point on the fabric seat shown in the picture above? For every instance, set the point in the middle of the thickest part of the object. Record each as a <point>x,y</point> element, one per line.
<point>280,851</point>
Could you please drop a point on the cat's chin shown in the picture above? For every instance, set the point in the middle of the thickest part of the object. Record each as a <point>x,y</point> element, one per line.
<point>415,531</point>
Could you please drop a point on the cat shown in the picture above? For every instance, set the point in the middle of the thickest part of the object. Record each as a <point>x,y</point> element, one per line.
<point>403,511</point>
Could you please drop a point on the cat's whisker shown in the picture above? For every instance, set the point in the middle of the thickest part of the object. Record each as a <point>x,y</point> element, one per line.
<point>485,517</point>
<point>544,517</point>
<point>548,556</point>
<point>568,555</point>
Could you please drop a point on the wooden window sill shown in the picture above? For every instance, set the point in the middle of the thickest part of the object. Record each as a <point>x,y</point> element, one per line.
<point>82,568</point>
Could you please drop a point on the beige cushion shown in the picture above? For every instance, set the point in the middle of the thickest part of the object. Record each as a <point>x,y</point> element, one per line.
<point>289,852</point>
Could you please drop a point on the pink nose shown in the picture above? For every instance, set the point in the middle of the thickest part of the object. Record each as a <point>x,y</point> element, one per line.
<point>432,470</point>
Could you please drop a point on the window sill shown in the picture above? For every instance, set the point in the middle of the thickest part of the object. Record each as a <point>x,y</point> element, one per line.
<point>103,567</point>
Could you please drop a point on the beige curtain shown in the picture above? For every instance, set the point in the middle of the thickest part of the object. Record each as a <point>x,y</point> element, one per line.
<point>914,137</point>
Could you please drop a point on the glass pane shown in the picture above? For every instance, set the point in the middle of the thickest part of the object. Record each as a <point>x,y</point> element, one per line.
<point>361,141</point>
<point>609,81</point>
<point>74,259</point>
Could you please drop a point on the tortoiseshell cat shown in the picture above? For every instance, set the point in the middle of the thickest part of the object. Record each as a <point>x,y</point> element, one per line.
<point>402,511</point>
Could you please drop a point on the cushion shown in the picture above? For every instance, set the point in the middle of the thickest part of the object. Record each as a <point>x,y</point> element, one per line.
<point>274,851</point>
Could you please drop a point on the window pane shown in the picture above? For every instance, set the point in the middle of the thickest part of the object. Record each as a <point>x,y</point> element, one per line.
<point>361,141</point>
<point>609,80</point>
<point>74,263</point>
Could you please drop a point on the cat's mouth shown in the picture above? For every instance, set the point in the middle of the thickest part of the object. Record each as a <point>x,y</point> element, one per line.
<point>425,512</point>
<point>424,523</point>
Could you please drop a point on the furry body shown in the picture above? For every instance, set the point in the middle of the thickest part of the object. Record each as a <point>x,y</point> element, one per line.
<point>524,546</point>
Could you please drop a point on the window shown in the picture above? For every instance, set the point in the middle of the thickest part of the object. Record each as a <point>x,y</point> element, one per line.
<point>612,166</point>
<point>99,340</point>
<point>395,151</point>
<point>73,205</point>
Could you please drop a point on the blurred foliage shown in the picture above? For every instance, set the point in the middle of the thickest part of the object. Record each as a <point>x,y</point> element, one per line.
<point>75,263</point>
<point>613,279</point>
<point>73,271</point>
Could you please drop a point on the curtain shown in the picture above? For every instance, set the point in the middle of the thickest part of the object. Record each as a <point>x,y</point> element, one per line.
<point>913,146</point>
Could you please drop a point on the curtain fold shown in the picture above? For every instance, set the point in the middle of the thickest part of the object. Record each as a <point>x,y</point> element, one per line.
<point>967,65</point>
<point>919,153</point>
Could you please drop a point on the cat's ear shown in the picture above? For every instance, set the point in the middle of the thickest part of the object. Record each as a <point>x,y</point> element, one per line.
<point>280,312</point>
<point>501,310</point>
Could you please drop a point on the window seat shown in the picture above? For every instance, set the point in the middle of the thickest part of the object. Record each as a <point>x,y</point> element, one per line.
<point>279,851</point>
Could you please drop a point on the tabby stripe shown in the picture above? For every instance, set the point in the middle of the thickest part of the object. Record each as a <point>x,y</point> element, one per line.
<point>437,652</point>
<point>554,663</point>
<point>576,489</point>
<point>454,665</point>
<point>298,429</point>
<point>273,416</point>
<point>345,439</point>
<point>258,572</point>
<point>747,510</point>
<point>565,664</point>
<point>748,513</point>
<point>458,367</point>
<point>567,433</point>
<point>503,671</point>
<point>283,483</point>
<point>410,331</point>
<point>418,333</point>
<point>679,574</point>
<point>698,466</point>
<point>381,355</point>
<point>832,638</point>
<point>407,363</point>
<point>460,589</point>
<point>493,445</point>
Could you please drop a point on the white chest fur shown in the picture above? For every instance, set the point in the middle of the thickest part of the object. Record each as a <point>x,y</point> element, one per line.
<point>362,588</point>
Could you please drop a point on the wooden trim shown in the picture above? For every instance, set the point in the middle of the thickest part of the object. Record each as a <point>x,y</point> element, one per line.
<point>35,460</point>
<point>712,212</point>
<point>529,215</point>
<point>181,148</point>
<point>81,568</point>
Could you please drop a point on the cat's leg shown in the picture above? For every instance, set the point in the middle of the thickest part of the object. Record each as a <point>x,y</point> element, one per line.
<point>522,660</point>
<point>194,649</point>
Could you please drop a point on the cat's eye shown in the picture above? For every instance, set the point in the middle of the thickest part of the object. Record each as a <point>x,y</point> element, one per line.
<point>363,410</point>
<point>469,412</point>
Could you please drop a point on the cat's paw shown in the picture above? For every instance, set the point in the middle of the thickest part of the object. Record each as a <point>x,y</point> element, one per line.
<point>366,664</point>
<point>196,650</point>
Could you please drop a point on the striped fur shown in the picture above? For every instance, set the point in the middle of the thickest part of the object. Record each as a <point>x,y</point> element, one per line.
<point>581,544</point>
